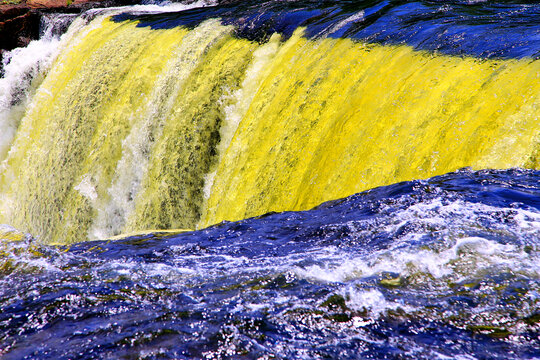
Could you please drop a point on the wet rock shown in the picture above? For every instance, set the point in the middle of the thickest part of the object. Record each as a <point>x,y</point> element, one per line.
<point>18,26</point>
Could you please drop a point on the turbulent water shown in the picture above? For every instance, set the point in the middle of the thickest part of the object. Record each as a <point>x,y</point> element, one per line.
<point>438,269</point>
<point>237,119</point>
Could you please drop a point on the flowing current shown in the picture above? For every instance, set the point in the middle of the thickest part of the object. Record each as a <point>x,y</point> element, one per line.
<point>300,179</point>
<point>437,269</point>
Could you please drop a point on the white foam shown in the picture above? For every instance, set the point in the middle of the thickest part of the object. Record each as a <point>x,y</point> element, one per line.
<point>166,8</point>
<point>358,17</point>
<point>450,254</point>
<point>147,9</point>
<point>465,258</point>
<point>24,69</point>
<point>86,188</point>
<point>371,300</point>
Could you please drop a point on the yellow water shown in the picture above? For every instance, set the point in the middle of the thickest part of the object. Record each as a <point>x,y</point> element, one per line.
<point>138,129</point>
<point>173,189</point>
<point>61,172</point>
<point>335,117</point>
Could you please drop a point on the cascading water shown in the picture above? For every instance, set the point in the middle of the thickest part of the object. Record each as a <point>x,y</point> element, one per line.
<point>151,119</point>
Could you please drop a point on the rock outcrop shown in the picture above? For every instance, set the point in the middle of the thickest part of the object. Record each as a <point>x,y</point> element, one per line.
<point>19,24</point>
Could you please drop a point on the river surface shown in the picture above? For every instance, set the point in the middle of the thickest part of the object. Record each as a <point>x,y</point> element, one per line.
<point>437,269</point>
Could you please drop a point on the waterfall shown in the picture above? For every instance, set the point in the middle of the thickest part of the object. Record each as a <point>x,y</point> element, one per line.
<point>123,127</point>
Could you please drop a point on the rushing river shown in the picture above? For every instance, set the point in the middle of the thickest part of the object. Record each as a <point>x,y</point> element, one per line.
<point>437,269</point>
<point>273,180</point>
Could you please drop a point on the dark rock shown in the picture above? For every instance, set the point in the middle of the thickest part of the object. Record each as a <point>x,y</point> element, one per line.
<point>18,26</point>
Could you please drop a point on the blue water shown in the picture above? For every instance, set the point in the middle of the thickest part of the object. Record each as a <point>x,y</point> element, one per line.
<point>485,29</point>
<point>442,268</point>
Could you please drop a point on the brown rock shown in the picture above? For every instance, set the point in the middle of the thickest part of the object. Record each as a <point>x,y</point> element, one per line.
<point>53,4</point>
<point>18,26</point>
